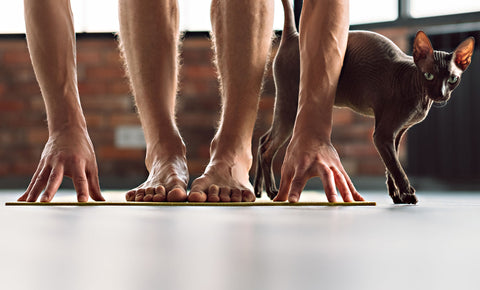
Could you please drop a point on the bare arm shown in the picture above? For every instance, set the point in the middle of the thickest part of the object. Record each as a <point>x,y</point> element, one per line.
<point>69,151</point>
<point>323,41</point>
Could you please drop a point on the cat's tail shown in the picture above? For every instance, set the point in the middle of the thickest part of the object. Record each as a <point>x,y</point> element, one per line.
<point>289,24</point>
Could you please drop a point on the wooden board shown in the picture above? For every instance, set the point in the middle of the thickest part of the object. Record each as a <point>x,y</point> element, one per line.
<point>226,204</point>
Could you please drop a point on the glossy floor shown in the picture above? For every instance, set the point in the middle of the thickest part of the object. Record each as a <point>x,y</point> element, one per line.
<point>433,245</point>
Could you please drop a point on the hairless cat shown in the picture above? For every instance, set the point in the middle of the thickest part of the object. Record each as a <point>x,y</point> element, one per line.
<point>377,80</point>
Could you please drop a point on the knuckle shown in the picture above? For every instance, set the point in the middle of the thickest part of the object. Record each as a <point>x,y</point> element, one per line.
<point>55,175</point>
<point>297,183</point>
<point>79,179</point>
<point>325,174</point>
<point>41,178</point>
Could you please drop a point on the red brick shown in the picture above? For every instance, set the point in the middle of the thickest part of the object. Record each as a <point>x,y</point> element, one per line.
<point>197,120</point>
<point>112,153</point>
<point>37,135</point>
<point>95,120</point>
<point>28,89</point>
<point>88,87</point>
<point>199,72</point>
<point>24,168</point>
<point>112,57</point>
<point>203,151</point>
<point>107,103</point>
<point>16,57</point>
<point>371,166</point>
<point>342,116</point>
<point>37,104</point>
<point>123,119</point>
<point>196,167</point>
<point>11,105</point>
<point>13,45</point>
<point>197,43</point>
<point>120,87</point>
<point>89,57</point>
<point>104,73</point>
<point>357,150</point>
<point>96,43</point>
<point>266,103</point>
<point>5,169</point>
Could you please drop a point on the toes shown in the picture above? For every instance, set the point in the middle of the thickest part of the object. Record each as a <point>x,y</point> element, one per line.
<point>248,195</point>
<point>177,194</point>
<point>225,194</point>
<point>130,196</point>
<point>140,194</point>
<point>236,195</point>
<point>213,192</point>
<point>160,194</point>
<point>149,192</point>
<point>197,195</point>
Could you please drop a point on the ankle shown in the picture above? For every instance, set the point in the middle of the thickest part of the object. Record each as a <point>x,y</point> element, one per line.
<point>167,149</point>
<point>227,150</point>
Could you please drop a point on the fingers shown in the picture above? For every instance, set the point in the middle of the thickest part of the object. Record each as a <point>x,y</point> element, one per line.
<point>296,188</point>
<point>80,182</point>
<point>24,197</point>
<point>356,196</point>
<point>94,185</point>
<point>54,181</point>
<point>40,181</point>
<point>292,184</point>
<point>328,181</point>
<point>285,183</point>
<point>342,185</point>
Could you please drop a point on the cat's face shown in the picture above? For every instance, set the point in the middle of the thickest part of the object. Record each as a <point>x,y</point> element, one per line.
<point>441,71</point>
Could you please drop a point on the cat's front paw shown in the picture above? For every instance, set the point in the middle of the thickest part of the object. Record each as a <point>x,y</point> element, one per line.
<point>272,193</point>
<point>394,193</point>
<point>407,197</point>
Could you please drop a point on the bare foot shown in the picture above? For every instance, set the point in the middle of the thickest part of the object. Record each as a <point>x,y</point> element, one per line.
<point>167,181</point>
<point>225,179</point>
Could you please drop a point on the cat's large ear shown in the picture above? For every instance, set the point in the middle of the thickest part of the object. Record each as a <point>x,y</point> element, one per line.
<point>422,50</point>
<point>462,56</point>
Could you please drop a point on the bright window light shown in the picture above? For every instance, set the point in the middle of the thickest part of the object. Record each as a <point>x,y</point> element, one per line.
<point>102,16</point>
<point>369,11</point>
<point>427,8</point>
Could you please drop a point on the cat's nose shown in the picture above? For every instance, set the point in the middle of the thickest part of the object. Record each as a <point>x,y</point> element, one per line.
<point>444,90</point>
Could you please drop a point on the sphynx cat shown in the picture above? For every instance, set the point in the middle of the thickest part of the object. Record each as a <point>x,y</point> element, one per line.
<point>377,80</point>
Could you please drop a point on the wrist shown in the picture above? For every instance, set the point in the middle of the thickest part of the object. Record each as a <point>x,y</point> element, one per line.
<point>67,122</point>
<point>314,122</point>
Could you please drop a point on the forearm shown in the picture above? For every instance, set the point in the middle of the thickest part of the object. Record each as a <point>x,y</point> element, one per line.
<point>51,42</point>
<point>323,41</point>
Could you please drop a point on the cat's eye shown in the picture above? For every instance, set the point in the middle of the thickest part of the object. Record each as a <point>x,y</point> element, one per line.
<point>453,79</point>
<point>428,76</point>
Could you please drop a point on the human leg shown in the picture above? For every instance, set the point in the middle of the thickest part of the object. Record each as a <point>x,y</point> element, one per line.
<point>149,39</point>
<point>242,33</point>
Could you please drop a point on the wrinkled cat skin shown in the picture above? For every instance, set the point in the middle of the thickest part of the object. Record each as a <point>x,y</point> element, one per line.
<point>377,80</point>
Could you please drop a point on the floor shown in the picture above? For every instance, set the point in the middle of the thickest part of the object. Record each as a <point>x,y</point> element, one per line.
<point>433,245</point>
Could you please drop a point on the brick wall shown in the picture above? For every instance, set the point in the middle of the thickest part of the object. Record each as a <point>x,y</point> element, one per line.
<point>108,104</point>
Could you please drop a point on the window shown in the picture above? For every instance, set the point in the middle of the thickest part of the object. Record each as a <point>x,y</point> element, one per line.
<point>369,11</point>
<point>426,8</point>
<point>102,16</point>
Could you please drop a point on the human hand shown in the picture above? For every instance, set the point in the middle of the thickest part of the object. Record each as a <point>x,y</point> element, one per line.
<point>307,157</point>
<point>66,154</point>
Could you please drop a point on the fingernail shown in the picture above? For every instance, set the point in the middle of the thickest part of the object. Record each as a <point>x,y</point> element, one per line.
<point>293,199</point>
<point>82,198</point>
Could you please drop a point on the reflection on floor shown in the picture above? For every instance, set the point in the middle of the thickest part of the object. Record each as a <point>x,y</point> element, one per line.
<point>433,245</point>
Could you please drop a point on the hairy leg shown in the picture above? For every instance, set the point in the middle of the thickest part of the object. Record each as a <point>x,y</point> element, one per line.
<point>149,39</point>
<point>242,33</point>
